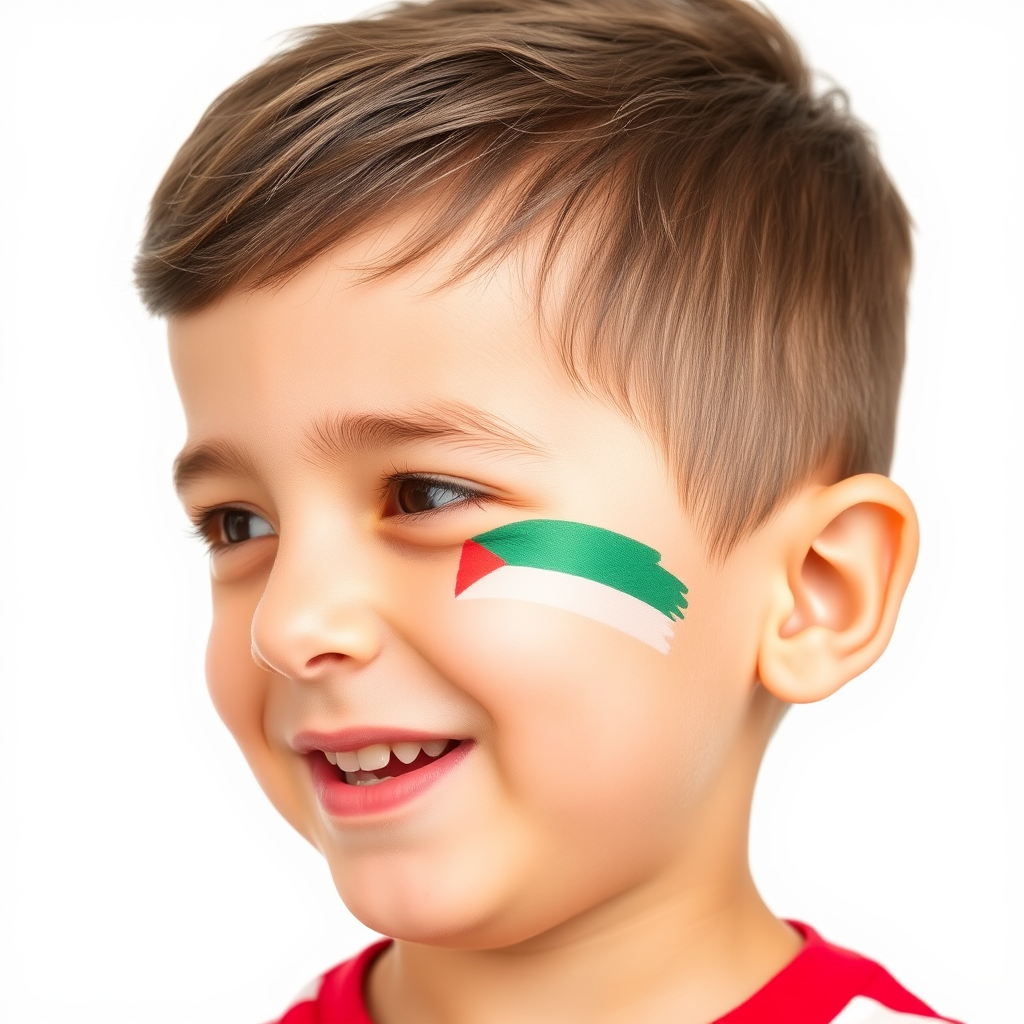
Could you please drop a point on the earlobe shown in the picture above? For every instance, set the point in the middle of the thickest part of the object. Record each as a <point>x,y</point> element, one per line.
<point>847,552</point>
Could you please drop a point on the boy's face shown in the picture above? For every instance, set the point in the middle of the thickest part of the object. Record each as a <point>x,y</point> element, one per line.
<point>358,434</point>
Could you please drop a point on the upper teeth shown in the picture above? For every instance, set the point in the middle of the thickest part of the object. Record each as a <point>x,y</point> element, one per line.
<point>376,755</point>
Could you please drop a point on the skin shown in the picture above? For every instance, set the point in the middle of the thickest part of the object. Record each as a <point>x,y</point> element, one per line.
<point>587,861</point>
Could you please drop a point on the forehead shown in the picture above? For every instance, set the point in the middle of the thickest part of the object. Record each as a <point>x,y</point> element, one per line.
<point>400,337</point>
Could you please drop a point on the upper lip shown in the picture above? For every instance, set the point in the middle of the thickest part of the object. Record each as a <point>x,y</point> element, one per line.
<point>356,738</point>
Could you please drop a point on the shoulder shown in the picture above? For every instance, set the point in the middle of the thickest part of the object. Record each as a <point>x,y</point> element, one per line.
<point>826,984</point>
<point>337,996</point>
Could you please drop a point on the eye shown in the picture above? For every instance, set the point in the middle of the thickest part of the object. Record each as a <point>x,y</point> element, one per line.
<point>237,525</point>
<point>427,494</point>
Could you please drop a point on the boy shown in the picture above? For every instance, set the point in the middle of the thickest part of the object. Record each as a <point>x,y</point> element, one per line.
<point>540,361</point>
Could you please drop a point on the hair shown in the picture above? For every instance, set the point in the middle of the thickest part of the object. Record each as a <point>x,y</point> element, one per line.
<point>738,256</point>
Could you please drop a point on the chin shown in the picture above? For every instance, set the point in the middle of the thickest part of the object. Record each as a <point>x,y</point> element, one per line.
<point>430,902</point>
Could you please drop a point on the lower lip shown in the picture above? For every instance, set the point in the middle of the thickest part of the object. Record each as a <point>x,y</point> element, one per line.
<point>343,800</point>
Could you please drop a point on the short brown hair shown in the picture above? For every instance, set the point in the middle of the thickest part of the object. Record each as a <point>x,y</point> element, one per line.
<point>744,287</point>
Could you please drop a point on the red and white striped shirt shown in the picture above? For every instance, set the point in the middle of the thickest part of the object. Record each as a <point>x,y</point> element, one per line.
<point>823,984</point>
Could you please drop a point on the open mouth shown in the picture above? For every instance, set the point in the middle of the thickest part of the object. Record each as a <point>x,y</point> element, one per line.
<point>381,762</point>
<point>378,774</point>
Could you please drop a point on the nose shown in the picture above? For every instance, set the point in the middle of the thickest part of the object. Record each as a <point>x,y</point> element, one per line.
<point>316,611</point>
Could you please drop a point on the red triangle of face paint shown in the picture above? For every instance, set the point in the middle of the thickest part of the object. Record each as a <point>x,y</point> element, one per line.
<point>476,561</point>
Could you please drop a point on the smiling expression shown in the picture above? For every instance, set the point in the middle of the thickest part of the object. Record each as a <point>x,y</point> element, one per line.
<point>345,439</point>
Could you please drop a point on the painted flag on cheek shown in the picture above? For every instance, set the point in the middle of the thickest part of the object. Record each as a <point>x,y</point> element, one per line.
<point>588,570</point>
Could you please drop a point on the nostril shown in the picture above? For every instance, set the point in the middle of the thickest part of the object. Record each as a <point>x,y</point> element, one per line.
<point>325,660</point>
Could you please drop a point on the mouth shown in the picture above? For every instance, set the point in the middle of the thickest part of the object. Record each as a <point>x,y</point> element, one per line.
<point>370,773</point>
<point>382,762</point>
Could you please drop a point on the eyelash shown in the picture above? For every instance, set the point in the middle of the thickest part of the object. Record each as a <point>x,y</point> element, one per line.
<point>203,519</point>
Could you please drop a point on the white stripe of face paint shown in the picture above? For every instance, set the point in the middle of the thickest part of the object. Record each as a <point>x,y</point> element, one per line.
<point>576,594</point>
<point>864,1010</point>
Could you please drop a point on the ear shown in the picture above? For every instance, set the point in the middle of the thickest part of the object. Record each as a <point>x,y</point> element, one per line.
<point>848,551</point>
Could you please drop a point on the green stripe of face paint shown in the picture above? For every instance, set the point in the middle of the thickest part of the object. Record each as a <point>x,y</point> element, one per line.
<point>592,552</point>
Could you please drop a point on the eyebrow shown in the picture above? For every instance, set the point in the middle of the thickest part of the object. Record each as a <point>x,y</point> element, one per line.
<point>334,438</point>
<point>210,458</point>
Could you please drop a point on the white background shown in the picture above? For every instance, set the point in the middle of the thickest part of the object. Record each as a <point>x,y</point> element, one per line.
<point>143,876</point>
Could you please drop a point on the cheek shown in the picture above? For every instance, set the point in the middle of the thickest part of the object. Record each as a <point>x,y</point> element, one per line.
<point>591,729</point>
<point>240,691</point>
<point>238,688</point>
<point>597,743</point>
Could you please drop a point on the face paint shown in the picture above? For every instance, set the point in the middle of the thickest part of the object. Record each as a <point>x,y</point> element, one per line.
<point>584,569</point>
